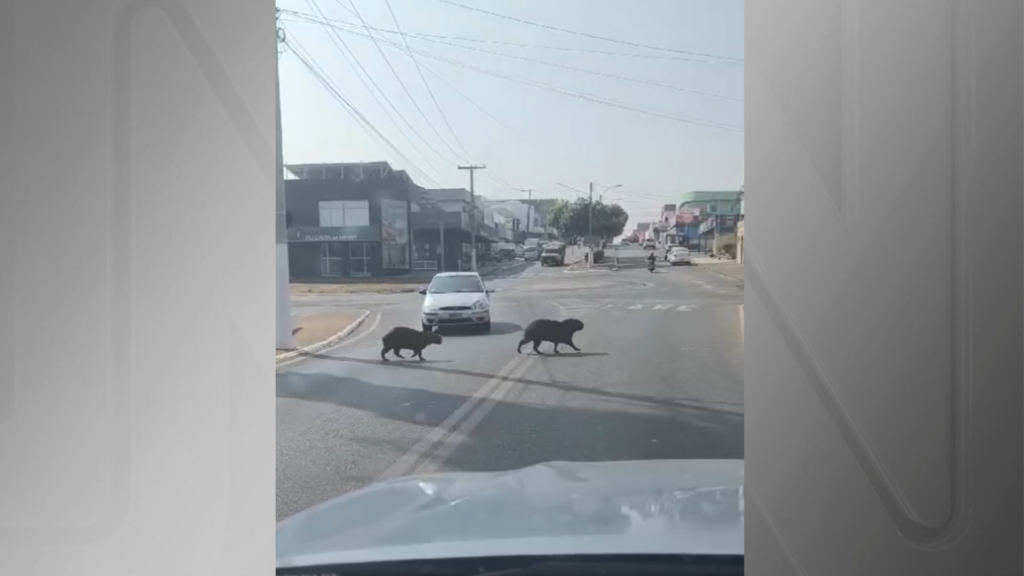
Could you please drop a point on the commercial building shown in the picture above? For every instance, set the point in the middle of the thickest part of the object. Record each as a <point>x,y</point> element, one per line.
<point>702,214</point>
<point>348,220</point>
<point>441,222</point>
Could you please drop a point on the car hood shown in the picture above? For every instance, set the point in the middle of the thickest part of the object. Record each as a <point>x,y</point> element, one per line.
<point>453,299</point>
<point>634,507</point>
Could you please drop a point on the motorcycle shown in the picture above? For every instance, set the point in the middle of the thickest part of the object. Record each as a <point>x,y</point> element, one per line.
<point>650,265</point>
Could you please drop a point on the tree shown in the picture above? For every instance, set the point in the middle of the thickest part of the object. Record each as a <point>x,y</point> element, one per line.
<point>572,219</point>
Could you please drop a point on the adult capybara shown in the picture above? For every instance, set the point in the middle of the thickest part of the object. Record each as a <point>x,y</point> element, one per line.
<point>555,331</point>
<point>402,338</point>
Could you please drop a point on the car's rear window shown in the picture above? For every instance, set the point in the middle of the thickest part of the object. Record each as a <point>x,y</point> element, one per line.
<point>451,284</point>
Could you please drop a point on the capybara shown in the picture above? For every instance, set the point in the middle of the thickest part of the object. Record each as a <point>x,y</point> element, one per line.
<point>555,331</point>
<point>402,338</point>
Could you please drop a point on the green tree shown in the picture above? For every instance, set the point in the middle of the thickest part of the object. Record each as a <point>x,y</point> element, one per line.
<point>572,219</point>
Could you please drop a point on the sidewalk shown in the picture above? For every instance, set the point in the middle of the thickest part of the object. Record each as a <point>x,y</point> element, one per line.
<point>724,267</point>
<point>317,331</point>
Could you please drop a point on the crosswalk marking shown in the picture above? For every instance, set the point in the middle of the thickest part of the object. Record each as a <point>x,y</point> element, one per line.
<point>647,307</point>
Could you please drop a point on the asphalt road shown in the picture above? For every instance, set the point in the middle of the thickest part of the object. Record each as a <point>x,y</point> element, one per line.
<point>660,376</point>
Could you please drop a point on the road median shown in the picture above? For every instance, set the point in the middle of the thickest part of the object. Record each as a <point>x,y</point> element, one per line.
<point>316,332</point>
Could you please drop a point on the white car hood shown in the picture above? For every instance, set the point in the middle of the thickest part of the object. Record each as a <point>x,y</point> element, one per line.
<point>642,507</point>
<point>454,299</point>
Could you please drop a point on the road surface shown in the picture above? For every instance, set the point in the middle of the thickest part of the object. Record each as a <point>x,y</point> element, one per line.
<point>660,376</point>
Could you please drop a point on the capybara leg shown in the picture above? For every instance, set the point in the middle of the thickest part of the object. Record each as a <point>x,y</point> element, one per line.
<point>384,354</point>
<point>398,353</point>
<point>536,346</point>
<point>519,349</point>
<point>556,348</point>
<point>419,354</point>
<point>573,345</point>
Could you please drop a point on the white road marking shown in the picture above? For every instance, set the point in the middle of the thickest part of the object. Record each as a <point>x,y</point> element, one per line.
<point>635,307</point>
<point>461,434</point>
<point>685,308</point>
<point>438,435</point>
<point>662,306</point>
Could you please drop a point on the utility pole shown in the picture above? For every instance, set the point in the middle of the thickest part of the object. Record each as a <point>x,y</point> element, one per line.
<point>590,215</point>
<point>472,213</point>
<point>529,207</point>
<point>284,337</point>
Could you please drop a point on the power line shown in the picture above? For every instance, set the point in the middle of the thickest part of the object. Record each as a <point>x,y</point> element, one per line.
<point>493,177</point>
<point>422,35</point>
<point>554,65</point>
<point>591,36</point>
<point>559,90</point>
<point>357,66</point>
<point>317,72</point>
<point>400,82</point>
<point>426,84</point>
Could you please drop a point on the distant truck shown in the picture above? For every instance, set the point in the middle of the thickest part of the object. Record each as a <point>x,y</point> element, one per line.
<point>553,255</point>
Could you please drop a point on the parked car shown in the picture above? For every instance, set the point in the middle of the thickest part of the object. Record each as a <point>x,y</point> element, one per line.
<point>456,299</point>
<point>650,244</point>
<point>679,255</point>
<point>669,248</point>
<point>531,253</point>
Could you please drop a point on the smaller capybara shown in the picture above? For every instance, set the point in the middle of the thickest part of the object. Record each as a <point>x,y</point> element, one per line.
<point>555,331</point>
<point>402,338</point>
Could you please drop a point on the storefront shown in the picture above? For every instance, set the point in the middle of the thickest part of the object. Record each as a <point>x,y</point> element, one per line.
<point>342,228</point>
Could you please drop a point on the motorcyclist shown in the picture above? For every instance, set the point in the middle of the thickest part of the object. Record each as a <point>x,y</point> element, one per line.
<point>650,259</point>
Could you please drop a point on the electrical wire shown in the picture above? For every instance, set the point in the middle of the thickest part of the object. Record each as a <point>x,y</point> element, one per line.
<point>317,72</point>
<point>357,67</point>
<point>633,196</point>
<point>444,117</point>
<point>556,89</point>
<point>591,36</point>
<point>401,83</point>
<point>533,46</point>
<point>349,26</point>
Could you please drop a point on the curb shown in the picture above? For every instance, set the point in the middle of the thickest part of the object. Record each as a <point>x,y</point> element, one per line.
<point>313,348</point>
<point>710,268</point>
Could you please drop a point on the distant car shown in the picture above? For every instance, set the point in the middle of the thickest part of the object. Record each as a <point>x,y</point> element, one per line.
<point>456,299</point>
<point>650,244</point>
<point>531,253</point>
<point>679,255</point>
<point>553,255</point>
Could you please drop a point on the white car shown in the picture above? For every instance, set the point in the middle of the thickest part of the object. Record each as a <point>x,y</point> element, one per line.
<point>650,244</point>
<point>679,255</point>
<point>456,299</point>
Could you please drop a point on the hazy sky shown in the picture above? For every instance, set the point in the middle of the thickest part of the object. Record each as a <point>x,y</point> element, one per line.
<point>539,137</point>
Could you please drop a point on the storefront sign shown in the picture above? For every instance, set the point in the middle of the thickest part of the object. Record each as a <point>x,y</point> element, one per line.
<point>332,234</point>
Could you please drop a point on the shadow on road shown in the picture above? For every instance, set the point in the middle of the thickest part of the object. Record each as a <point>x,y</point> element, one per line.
<point>497,329</point>
<point>514,435</point>
<point>569,354</point>
<point>682,403</point>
